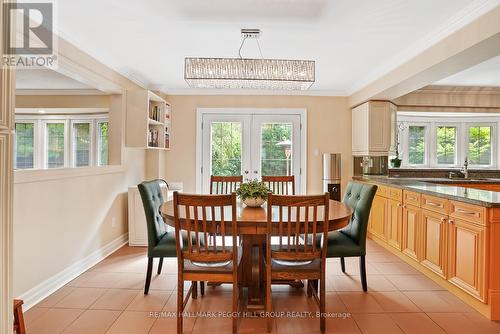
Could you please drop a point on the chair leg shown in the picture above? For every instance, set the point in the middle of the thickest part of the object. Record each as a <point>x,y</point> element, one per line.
<point>180,303</point>
<point>342,264</point>
<point>194,294</point>
<point>235,305</point>
<point>362,270</point>
<point>148,275</point>
<point>322,301</point>
<point>269,302</point>
<point>309,288</point>
<point>202,288</point>
<point>160,265</point>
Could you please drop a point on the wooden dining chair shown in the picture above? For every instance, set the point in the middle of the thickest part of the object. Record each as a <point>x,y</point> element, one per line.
<point>297,256</point>
<point>222,185</point>
<point>280,185</point>
<point>19,327</point>
<point>209,216</point>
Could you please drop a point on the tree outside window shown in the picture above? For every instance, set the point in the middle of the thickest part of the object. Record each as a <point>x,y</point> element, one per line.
<point>24,145</point>
<point>446,145</point>
<point>416,145</point>
<point>479,151</point>
<point>226,148</point>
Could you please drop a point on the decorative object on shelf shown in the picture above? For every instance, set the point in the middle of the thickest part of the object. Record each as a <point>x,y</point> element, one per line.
<point>245,73</point>
<point>396,161</point>
<point>253,193</point>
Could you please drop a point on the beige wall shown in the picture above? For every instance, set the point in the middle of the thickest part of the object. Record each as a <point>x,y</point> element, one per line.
<point>328,129</point>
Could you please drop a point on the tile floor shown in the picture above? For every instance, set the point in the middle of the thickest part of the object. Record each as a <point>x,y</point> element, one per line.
<point>108,298</point>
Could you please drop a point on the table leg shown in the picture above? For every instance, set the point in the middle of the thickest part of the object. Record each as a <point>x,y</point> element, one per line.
<point>254,269</point>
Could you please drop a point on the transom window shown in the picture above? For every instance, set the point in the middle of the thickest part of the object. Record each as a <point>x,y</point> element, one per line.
<point>60,141</point>
<point>440,140</point>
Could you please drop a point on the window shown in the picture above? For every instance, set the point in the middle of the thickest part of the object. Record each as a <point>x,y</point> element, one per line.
<point>479,149</point>
<point>446,145</point>
<point>416,145</point>
<point>25,144</point>
<point>60,141</point>
<point>102,143</point>
<point>55,147</point>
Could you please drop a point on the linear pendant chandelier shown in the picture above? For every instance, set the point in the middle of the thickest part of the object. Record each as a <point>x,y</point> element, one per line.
<point>244,73</point>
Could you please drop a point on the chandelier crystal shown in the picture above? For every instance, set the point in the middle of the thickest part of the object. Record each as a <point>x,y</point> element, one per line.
<point>245,73</point>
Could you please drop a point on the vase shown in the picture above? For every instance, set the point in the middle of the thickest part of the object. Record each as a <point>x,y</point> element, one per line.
<point>396,162</point>
<point>254,202</point>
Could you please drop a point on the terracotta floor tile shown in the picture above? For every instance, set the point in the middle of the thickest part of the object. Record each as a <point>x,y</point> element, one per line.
<point>416,323</point>
<point>163,282</point>
<point>55,297</point>
<point>154,301</point>
<point>53,321</point>
<point>132,322</point>
<point>353,283</point>
<point>484,325</point>
<point>360,302</point>
<point>34,313</point>
<point>437,301</point>
<point>454,323</point>
<point>394,301</point>
<point>296,325</point>
<point>80,298</point>
<point>395,268</point>
<point>376,324</point>
<point>92,322</point>
<point>94,279</point>
<point>168,325</point>
<point>342,326</point>
<point>115,299</point>
<point>382,256</point>
<point>334,303</point>
<point>351,267</point>
<point>413,283</point>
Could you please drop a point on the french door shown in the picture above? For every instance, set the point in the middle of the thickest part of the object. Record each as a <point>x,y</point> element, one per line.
<point>251,145</point>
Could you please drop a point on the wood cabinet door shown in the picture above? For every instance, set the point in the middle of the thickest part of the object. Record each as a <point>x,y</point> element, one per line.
<point>434,236</point>
<point>466,259</point>
<point>394,223</point>
<point>378,217</point>
<point>411,231</point>
<point>379,126</point>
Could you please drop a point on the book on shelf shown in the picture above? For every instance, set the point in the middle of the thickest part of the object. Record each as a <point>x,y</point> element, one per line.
<point>153,138</point>
<point>154,113</point>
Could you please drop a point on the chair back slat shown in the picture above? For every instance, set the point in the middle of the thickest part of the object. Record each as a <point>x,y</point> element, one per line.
<point>301,231</point>
<point>280,185</point>
<point>224,184</point>
<point>204,225</point>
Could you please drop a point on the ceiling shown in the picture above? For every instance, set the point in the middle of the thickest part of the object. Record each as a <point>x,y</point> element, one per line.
<point>352,41</point>
<point>45,79</point>
<point>485,74</point>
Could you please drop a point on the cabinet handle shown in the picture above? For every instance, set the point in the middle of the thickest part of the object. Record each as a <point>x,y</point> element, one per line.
<point>433,204</point>
<point>443,219</point>
<point>451,221</point>
<point>466,212</point>
<point>399,205</point>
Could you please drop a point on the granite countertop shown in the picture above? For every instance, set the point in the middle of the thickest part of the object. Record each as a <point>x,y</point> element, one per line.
<point>473,196</point>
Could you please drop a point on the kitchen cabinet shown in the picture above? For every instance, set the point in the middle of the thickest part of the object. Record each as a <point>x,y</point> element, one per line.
<point>434,241</point>
<point>378,217</point>
<point>467,257</point>
<point>394,223</point>
<point>411,230</point>
<point>373,128</point>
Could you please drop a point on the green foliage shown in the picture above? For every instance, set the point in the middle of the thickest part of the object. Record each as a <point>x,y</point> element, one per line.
<point>103,145</point>
<point>226,148</point>
<point>446,145</point>
<point>55,144</point>
<point>416,145</point>
<point>252,189</point>
<point>24,145</point>
<point>274,160</point>
<point>480,145</point>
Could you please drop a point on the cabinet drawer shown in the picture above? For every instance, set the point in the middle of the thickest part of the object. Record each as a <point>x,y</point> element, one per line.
<point>395,193</point>
<point>435,204</point>
<point>468,212</point>
<point>381,190</point>
<point>412,198</point>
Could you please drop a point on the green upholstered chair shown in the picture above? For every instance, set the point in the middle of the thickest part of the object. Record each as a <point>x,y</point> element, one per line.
<point>350,241</point>
<point>161,241</point>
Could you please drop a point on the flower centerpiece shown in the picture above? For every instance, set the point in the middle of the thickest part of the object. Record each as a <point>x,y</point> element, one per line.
<point>253,193</point>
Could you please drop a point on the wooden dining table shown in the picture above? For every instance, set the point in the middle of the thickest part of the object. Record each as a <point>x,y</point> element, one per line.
<point>252,228</point>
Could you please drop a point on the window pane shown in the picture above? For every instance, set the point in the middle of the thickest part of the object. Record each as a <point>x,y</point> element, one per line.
<point>102,149</point>
<point>276,156</point>
<point>480,145</point>
<point>81,144</point>
<point>226,148</point>
<point>24,145</point>
<point>446,145</point>
<point>416,145</point>
<point>55,145</point>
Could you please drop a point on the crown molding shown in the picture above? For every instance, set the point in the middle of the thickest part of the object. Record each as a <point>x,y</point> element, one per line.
<point>470,13</point>
<point>477,90</point>
<point>60,92</point>
<point>190,91</point>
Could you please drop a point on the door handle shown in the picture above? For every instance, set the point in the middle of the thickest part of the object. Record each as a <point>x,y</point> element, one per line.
<point>255,172</point>
<point>246,172</point>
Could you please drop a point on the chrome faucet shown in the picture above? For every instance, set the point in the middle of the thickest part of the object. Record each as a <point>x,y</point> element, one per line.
<point>465,169</point>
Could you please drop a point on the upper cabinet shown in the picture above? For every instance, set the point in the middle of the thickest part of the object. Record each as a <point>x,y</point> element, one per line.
<point>373,128</point>
<point>148,120</point>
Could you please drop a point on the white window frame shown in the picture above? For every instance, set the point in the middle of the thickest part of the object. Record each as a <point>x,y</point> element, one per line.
<point>40,160</point>
<point>92,125</point>
<point>493,161</point>
<point>460,120</point>
<point>36,141</point>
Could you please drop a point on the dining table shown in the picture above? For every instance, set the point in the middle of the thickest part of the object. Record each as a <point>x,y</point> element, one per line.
<point>252,229</point>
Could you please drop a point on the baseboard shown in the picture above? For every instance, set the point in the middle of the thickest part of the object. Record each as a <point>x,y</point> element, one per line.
<point>49,286</point>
